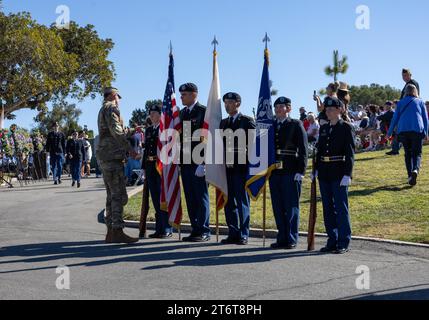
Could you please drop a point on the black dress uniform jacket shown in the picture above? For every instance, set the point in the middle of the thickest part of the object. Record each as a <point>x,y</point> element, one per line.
<point>196,117</point>
<point>151,147</point>
<point>335,151</point>
<point>56,143</point>
<point>241,122</point>
<point>76,149</point>
<point>291,147</point>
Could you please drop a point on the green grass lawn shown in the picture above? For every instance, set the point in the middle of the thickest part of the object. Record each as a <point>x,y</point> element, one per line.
<point>382,204</point>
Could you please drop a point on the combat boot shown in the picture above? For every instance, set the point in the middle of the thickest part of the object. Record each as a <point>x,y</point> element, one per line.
<point>118,236</point>
<point>109,235</point>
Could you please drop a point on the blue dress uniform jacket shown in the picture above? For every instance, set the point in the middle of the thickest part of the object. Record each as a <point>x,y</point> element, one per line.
<point>335,151</point>
<point>196,119</point>
<point>334,161</point>
<point>292,157</point>
<point>195,188</point>
<point>291,147</point>
<point>149,164</point>
<point>237,209</point>
<point>150,154</point>
<point>244,123</point>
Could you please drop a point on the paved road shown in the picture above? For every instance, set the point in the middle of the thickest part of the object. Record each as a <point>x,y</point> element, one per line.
<point>43,227</point>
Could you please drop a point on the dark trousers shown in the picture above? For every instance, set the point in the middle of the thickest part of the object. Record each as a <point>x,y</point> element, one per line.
<point>197,200</point>
<point>285,195</point>
<point>336,214</point>
<point>97,169</point>
<point>162,225</point>
<point>237,209</point>
<point>413,146</point>
<point>75,165</point>
<point>396,145</point>
<point>57,166</point>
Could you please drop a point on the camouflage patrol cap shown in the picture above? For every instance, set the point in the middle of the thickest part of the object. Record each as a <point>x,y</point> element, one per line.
<point>232,96</point>
<point>110,90</point>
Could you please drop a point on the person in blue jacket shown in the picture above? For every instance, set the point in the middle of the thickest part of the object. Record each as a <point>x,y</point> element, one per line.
<point>411,121</point>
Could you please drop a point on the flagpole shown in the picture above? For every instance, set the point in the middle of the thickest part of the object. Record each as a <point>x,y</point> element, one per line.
<point>215,43</point>
<point>217,225</point>
<point>264,227</point>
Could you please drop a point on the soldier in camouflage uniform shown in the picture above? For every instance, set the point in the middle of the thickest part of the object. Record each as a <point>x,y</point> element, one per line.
<point>111,153</point>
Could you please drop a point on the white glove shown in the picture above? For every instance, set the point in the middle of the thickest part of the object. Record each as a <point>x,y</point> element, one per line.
<point>201,171</point>
<point>346,182</point>
<point>314,176</point>
<point>299,177</point>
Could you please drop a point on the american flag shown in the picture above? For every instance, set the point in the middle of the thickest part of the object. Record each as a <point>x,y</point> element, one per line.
<point>168,152</point>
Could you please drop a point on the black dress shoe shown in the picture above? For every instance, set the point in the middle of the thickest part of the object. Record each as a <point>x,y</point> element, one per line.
<point>291,247</point>
<point>278,246</point>
<point>155,236</point>
<point>229,241</point>
<point>342,251</point>
<point>328,250</point>
<point>73,184</point>
<point>78,185</point>
<point>59,182</point>
<point>56,183</point>
<point>243,242</point>
<point>166,236</point>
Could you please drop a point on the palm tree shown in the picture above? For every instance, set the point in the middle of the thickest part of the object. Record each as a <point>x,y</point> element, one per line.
<point>340,66</point>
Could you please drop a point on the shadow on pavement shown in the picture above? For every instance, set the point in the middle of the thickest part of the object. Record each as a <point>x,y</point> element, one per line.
<point>172,253</point>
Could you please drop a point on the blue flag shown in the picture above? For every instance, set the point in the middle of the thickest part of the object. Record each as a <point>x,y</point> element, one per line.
<point>263,156</point>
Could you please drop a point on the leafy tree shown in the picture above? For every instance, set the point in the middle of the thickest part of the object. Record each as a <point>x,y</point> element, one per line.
<point>340,66</point>
<point>40,64</point>
<point>67,115</point>
<point>139,116</point>
<point>373,94</point>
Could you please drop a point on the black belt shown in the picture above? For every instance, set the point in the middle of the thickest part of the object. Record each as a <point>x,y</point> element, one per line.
<point>291,153</point>
<point>333,159</point>
<point>152,159</point>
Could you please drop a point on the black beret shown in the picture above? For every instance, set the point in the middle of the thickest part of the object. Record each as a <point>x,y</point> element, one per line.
<point>333,102</point>
<point>283,100</point>
<point>188,87</point>
<point>232,96</point>
<point>155,108</point>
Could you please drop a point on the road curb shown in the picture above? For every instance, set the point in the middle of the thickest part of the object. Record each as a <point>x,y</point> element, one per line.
<point>272,234</point>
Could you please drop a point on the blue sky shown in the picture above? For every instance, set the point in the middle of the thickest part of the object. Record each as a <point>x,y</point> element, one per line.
<point>303,33</point>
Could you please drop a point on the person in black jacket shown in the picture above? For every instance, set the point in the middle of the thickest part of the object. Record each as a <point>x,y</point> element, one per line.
<point>334,167</point>
<point>386,118</point>
<point>193,172</point>
<point>163,230</point>
<point>407,76</point>
<point>56,147</point>
<point>76,155</point>
<point>237,209</point>
<point>286,181</point>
